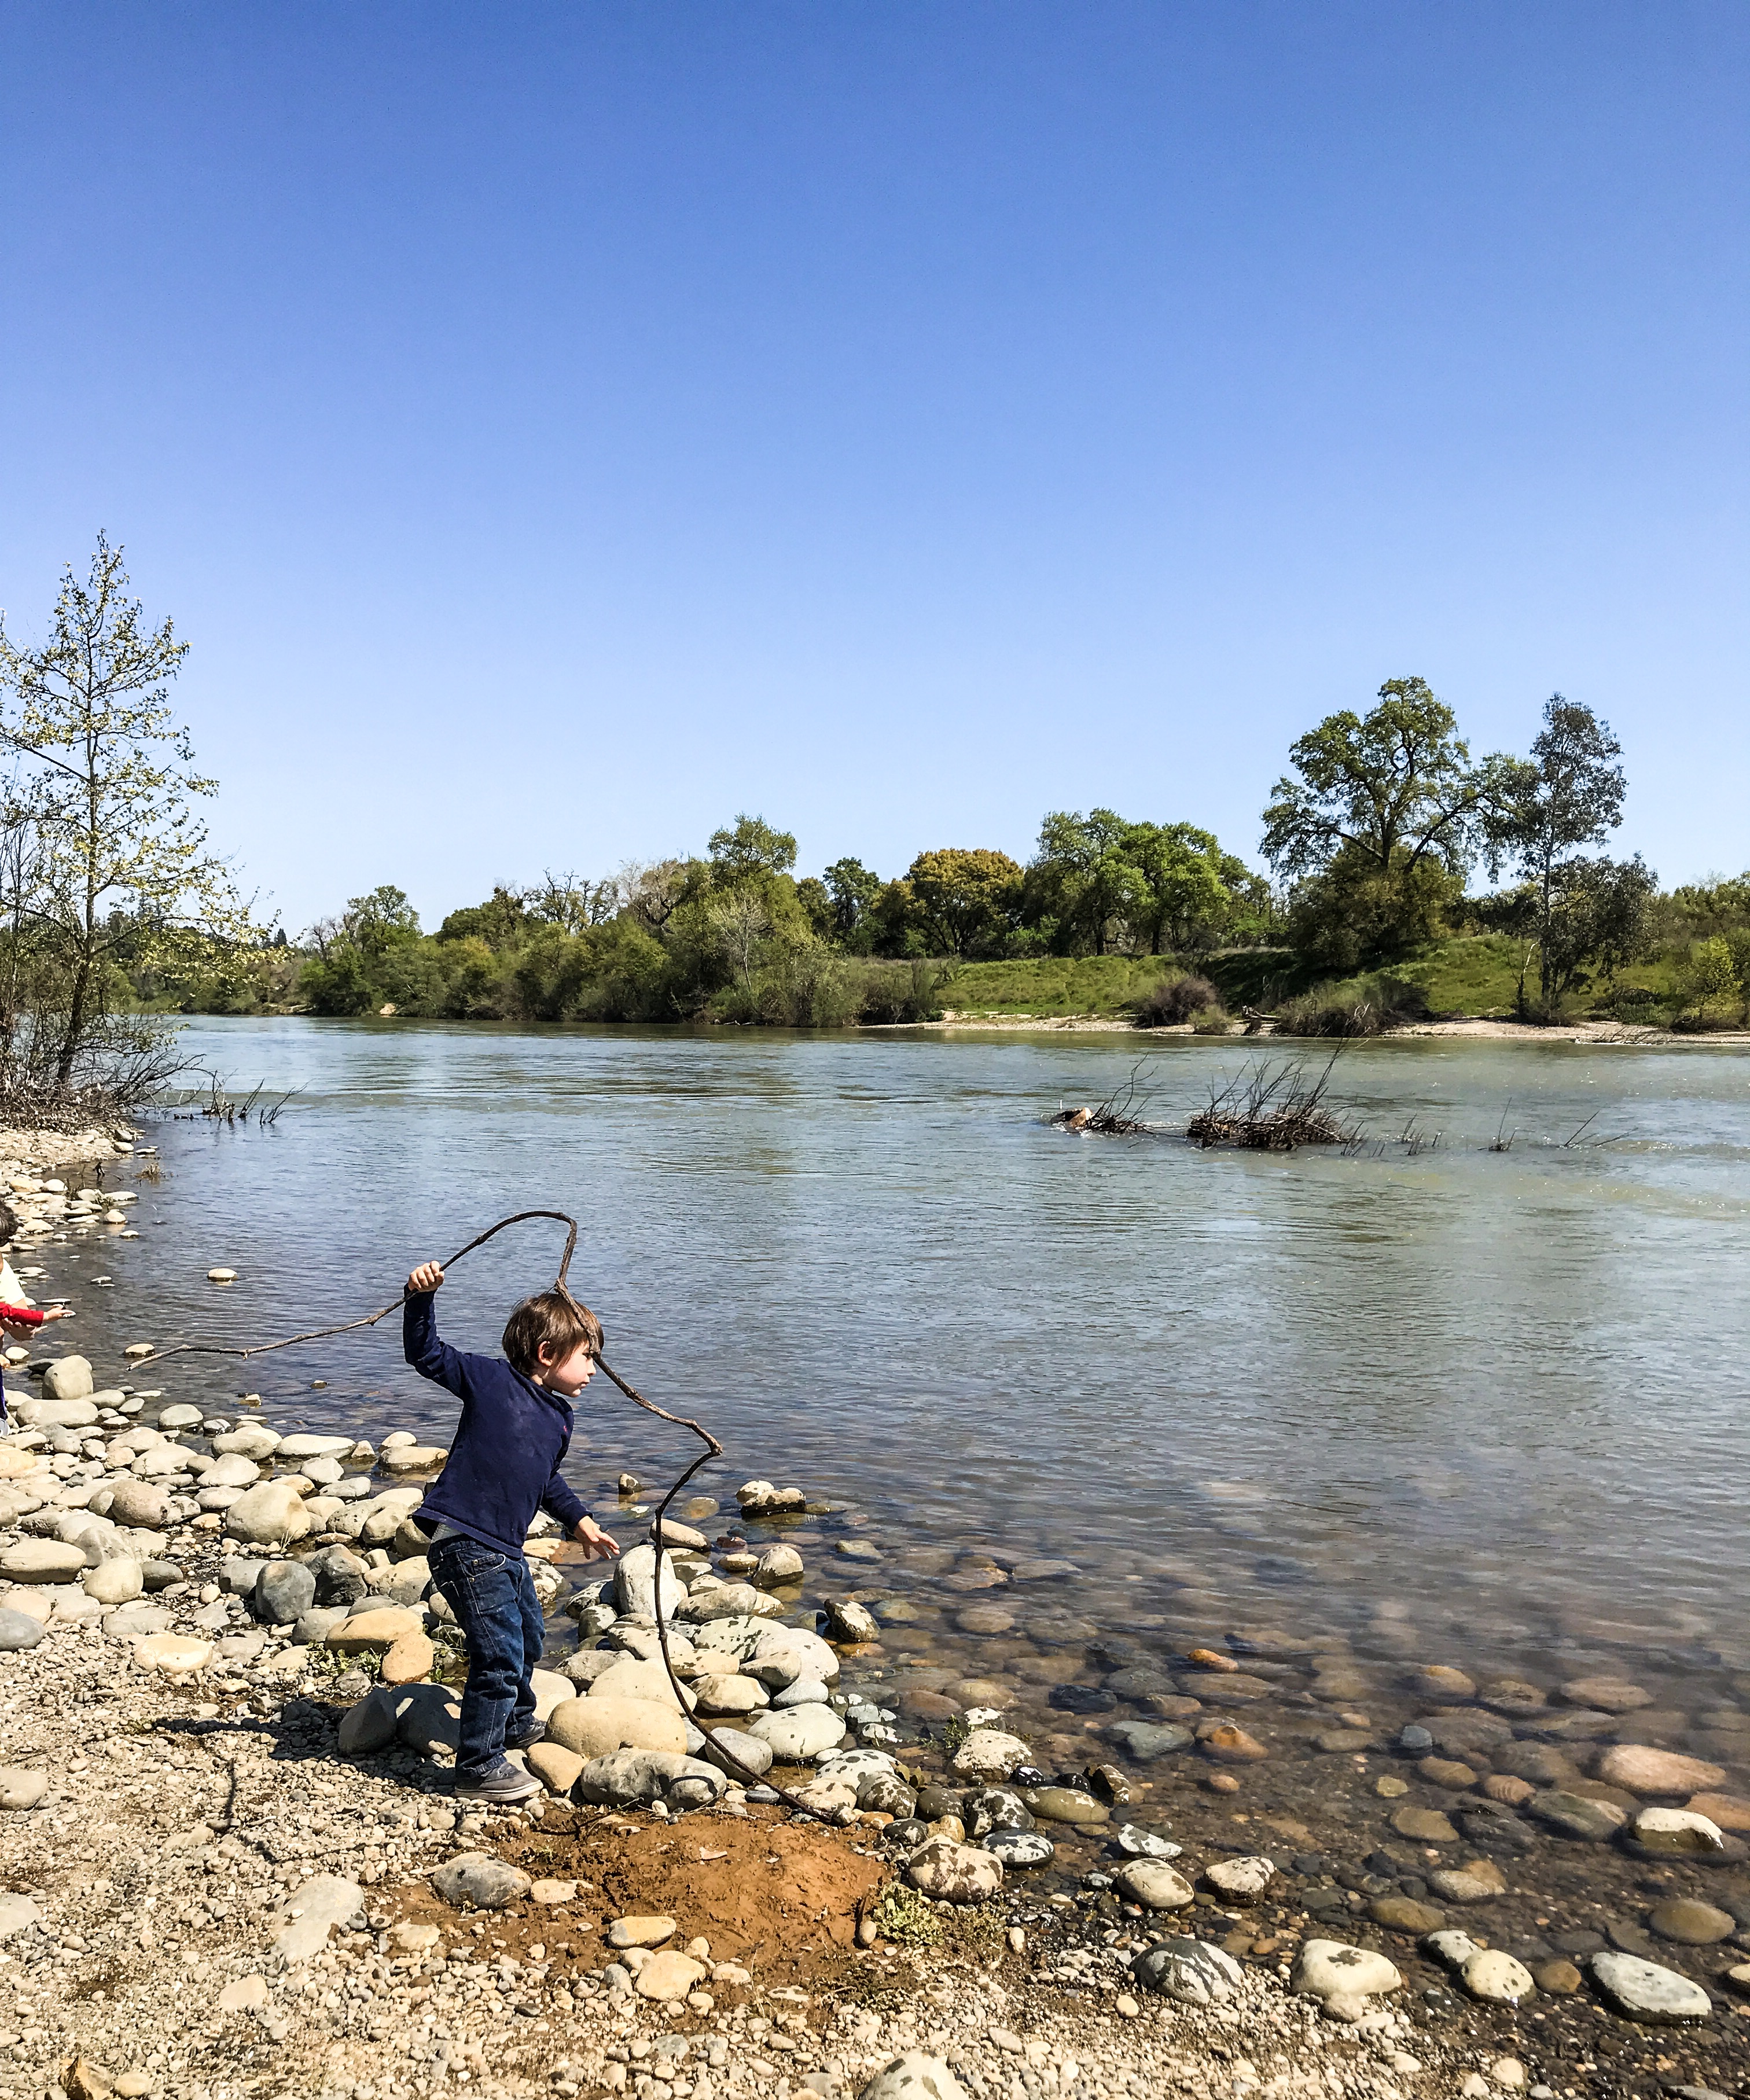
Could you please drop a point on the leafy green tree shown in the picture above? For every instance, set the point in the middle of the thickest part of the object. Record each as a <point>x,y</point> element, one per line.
<point>1187,896</point>
<point>1710,974</point>
<point>964,896</point>
<point>816,900</point>
<point>1569,794</point>
<point>1395,792</point>
<point>1598,919</point>
<point>750,848</point>
<point>896,925</point>
<point>500,920</point>
<point>104,785</point>
<point>1085,878</point>
<point>379,920</point>
<point>855,891</point>
<point>1353,914</point>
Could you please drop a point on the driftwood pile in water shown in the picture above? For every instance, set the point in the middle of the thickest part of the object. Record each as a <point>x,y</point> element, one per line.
<point>1112,1117</point>
<point>1271,1108</point>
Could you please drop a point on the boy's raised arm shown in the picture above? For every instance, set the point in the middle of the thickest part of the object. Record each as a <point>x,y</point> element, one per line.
<point>430,1357</point>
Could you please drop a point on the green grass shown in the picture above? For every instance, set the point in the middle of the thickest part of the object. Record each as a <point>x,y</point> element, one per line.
<point>1053,986</point>
<point>1474,973</point>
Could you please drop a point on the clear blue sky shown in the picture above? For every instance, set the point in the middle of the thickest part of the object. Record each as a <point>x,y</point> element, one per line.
<point>559,427</point>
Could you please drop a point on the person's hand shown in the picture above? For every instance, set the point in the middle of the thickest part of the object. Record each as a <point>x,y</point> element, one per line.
<point>596,1542</point>
<point>428,1276</point>
<point>59,1312</point>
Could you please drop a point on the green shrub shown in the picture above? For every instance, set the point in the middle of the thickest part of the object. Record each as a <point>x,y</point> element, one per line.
<point>1175,1001</point>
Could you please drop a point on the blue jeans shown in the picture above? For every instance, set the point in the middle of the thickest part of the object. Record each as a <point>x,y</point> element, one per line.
<point>493,1598</point>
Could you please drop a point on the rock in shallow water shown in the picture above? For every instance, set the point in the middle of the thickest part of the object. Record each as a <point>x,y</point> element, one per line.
<point>1690,1923</point>
<point>1404,1914</point>
<point>1495,1978</point>
<point>1154,1885</point>
<point>1641,1770</point>
<point>1018,1848</point>
<point>1427,1826</point>
<point>1143,1741</point>
<point>1136,1843</point>
<point>1644,1990</point>
<point>1575,1815</point>
<point>1676,1832</point>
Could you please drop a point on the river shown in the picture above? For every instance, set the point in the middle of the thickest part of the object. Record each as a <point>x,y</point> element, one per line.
<point>1499,1392</point>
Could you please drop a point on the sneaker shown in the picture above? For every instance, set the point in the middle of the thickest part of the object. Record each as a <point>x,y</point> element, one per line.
<point>503,1784</point>
<point>536,1732</point>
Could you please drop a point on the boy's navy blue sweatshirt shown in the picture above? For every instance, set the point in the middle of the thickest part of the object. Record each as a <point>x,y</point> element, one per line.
<point>505,1459</point>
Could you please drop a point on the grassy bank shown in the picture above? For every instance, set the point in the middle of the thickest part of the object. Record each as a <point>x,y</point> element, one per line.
<point>1472,974</point>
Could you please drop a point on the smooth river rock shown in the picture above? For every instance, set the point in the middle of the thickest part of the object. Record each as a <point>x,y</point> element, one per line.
<point>18,1631</point>
<point>595,1727</point>
<point>1639,1769</point>
<point>913,2076</point>
<point>476,1881</point>
<point>1344,1977</point>
<point>1644,1990</point>
<point>956,1874</point>
<point>1495,1978</point>
<point>1188,1971</point>
<point>272,1514</point>
<point>800,1734</point>
<point>42,1560</point>
<point>1154,1885</point>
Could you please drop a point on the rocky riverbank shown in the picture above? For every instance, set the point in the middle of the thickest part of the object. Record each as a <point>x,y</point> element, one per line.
<point>1063,1857</point>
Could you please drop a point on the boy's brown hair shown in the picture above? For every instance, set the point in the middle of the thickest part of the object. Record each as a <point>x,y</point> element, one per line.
<point>553,1321</point>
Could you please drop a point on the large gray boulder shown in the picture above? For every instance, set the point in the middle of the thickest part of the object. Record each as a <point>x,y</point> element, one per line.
<point>478,1881</point>
<point>913,2076</point>
<point>749,1753</point>
<point>140,1503</point>
<point>285,1590</point>
<point>69,1378</point>
<point>626,1778</point>
<point>341,1577</point>
<point>272,1514</point>
<point>635,1582</point>
<point>370,1725</point>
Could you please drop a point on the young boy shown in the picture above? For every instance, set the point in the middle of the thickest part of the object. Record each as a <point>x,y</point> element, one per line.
<point>504,1465</point>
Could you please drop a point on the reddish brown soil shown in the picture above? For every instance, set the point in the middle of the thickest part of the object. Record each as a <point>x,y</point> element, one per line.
<point>780,1898</point>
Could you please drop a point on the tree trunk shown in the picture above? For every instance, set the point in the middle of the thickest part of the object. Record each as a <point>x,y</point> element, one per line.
<point>82,986</point>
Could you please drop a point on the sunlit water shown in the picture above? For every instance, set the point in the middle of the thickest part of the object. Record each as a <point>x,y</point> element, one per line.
<point>1498,1394</point>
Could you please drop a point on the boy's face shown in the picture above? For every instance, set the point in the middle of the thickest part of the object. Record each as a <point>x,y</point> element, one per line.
<point>569,1377</point>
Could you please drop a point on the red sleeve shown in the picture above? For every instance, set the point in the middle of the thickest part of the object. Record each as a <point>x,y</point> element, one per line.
<point>21,1316</point>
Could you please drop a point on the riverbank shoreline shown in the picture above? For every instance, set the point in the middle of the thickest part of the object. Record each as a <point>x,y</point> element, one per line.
<point>1469,1028</point>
